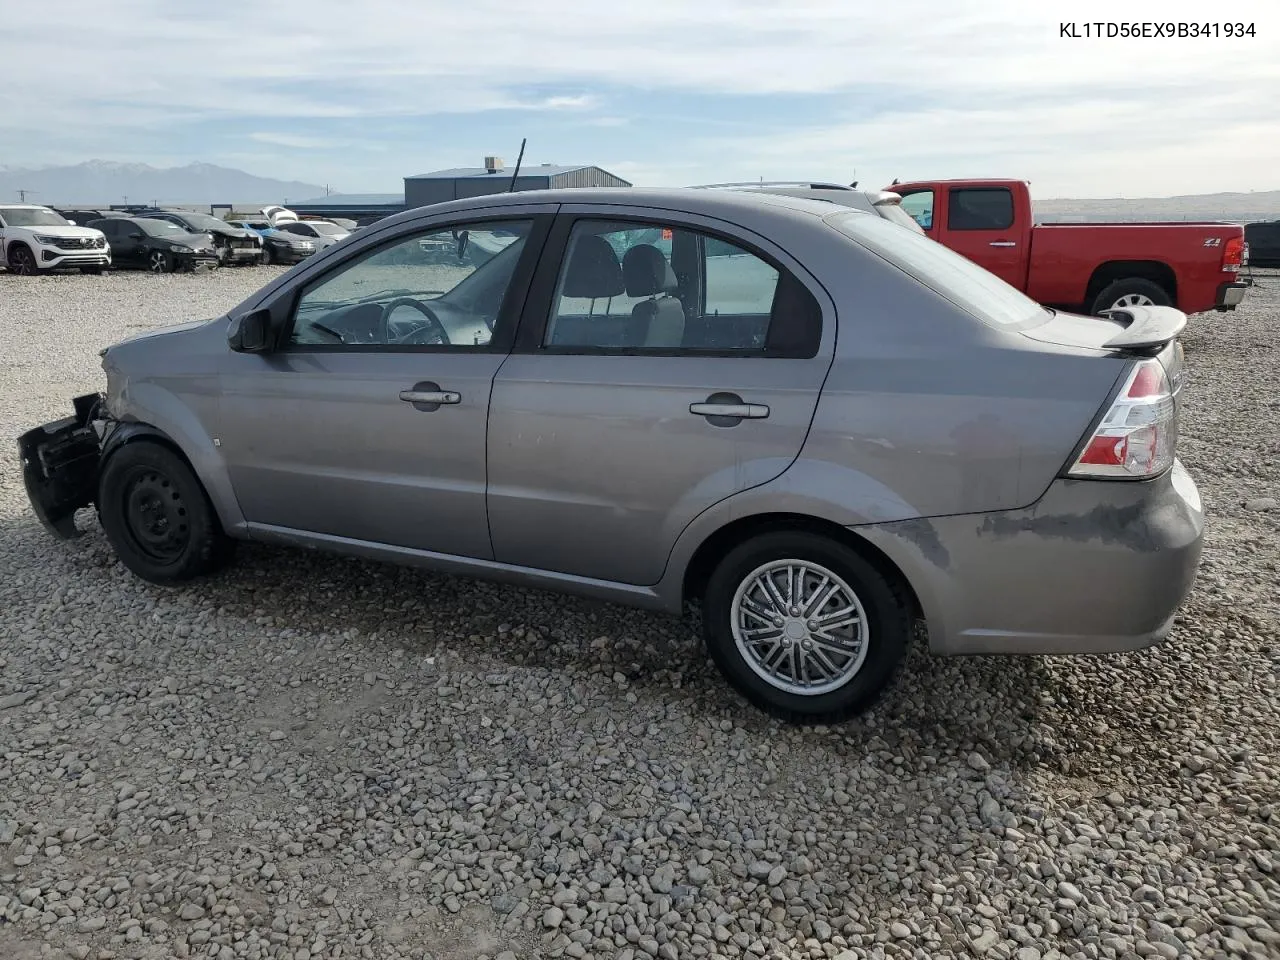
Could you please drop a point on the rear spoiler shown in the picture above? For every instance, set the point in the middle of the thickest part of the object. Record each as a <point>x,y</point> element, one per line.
<point>1148,329</point>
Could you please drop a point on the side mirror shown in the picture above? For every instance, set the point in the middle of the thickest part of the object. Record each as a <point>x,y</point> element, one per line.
<point>137,235</point>
<point>250,332</point>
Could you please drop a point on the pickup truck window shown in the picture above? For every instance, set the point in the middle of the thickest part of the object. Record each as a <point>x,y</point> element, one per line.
<point>919,206</point>
<point>985,208</point>
<point>948,274</point>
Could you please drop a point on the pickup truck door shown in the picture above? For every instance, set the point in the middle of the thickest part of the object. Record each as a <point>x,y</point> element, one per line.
<point>982,223</point>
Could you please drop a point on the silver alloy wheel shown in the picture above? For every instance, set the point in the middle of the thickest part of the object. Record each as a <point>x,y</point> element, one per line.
<point>799,627</point>
<point>159,261</point>
<point>1133,300</point>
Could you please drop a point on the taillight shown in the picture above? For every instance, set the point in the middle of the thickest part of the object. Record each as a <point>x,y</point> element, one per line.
<point>1233,254</point>
<point>1137,437</point>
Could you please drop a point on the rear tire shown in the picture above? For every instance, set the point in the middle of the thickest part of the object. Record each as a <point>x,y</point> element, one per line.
<point>1131,291</point>
<point>815,671</point>
<point>157,516</point>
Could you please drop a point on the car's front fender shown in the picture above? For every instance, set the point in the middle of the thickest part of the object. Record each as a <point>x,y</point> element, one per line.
<point>145,409</point>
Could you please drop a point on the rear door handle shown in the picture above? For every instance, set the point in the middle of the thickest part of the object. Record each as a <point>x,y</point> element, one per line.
<point>739,411</point>
<point>1002,243</point>
<point>430,396</point>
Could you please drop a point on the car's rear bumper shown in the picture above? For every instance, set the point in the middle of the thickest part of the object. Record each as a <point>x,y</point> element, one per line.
<point>1231,293</point>
<point>1092,567</point>
<point>60,467</point>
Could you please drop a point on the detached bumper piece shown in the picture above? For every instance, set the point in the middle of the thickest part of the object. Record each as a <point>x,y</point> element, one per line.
<point>60,467</point>
<point>1230,294</point>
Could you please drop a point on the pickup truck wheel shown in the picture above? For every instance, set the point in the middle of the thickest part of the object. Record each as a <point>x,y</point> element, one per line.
<point>804,627</point>
<point>157,516</point>
<point>22,261</point>
<point>1131,292</point>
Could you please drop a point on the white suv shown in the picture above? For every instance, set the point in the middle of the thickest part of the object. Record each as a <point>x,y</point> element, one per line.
<point>35,238</point>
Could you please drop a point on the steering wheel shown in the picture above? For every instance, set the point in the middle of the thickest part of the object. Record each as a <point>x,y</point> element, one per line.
<point>434,329</point>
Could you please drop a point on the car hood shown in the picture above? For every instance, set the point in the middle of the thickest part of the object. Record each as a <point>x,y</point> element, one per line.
<point>65,231</point>
<point>230,231</point>
<point>198,240</point>
<point>157,332</point>
<point>285,236</point>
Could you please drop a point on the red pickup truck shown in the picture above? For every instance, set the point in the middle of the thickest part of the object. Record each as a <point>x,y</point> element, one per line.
<point>1083,267</point>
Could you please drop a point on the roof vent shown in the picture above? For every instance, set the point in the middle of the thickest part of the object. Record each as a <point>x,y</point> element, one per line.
<point>493,164</point>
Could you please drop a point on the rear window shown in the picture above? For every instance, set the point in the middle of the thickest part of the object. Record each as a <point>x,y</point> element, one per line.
<point>975,290</point>
<point>892,211</point>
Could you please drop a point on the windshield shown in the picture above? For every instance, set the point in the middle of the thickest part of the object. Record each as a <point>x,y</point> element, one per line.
<point>328,229</point>
<point>160,228</point>
<point>32,217</point>
<point>202,221</point>
<point>947,273</point>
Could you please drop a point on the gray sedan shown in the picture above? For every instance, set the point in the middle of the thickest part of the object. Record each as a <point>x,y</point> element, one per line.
<point>818,426</point>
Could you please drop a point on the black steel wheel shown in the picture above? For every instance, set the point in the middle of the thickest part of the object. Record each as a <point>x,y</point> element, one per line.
<point>157,516</point>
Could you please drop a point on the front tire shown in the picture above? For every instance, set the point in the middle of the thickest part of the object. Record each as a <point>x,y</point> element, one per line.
<point>804,627</point>
<point>1130,292</point>
<point>22,261</point>
<point>160,261</point>
<point>157,516</point>
<point>268,258</point>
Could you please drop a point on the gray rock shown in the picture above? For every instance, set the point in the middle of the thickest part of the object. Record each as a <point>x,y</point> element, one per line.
<point>1261,503</point>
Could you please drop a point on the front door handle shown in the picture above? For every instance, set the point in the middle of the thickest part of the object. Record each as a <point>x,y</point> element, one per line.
<point>1002,243</point>
<point>430,396</point>
<point>728,410</point>
<point>426,396</point>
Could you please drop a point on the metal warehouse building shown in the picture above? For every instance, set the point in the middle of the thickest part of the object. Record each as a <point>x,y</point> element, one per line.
<point>442,185</point>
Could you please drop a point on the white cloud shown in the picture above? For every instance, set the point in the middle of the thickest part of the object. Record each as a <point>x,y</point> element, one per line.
<point>1000,87</point>
<point>297,142</point>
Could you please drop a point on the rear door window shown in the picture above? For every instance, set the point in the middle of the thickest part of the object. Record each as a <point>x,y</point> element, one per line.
<point>980,208</point>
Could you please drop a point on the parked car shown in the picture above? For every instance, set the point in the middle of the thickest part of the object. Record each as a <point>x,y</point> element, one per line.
<point>821,426</point>
<point>320,232</point>
<point>883,203</point>
<point>1264,243</point>
<point>155,245</point>
<point>36,239</point>
<point>278,246</point>
<point>234,245</point>
<point>82,218</point>
<point>1090,267</point>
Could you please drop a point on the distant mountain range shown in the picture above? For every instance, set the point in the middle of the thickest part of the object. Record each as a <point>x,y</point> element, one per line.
<point>1259,205</point>
<point>103,182</point>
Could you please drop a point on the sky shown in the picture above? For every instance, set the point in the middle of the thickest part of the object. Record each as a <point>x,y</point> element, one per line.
<point>357,95</point>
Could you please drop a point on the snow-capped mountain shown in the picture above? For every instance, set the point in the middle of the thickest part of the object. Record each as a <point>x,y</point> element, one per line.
<point>102,182</point>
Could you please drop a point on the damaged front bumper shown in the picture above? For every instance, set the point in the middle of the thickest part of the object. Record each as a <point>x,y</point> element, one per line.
<point>60,465</point>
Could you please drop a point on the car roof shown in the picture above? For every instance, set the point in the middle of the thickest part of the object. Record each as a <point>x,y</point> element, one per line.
<point>713,203</point>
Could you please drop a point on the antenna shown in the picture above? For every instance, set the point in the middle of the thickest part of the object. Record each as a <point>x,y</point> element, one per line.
<point>22,195</point>
<point>516,172</point>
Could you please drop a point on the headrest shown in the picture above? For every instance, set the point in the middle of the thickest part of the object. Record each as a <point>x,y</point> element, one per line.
<point>647,272</point>
<point>593,270</point>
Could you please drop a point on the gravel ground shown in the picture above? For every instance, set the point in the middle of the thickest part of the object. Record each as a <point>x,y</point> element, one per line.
<point>316,757</point>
